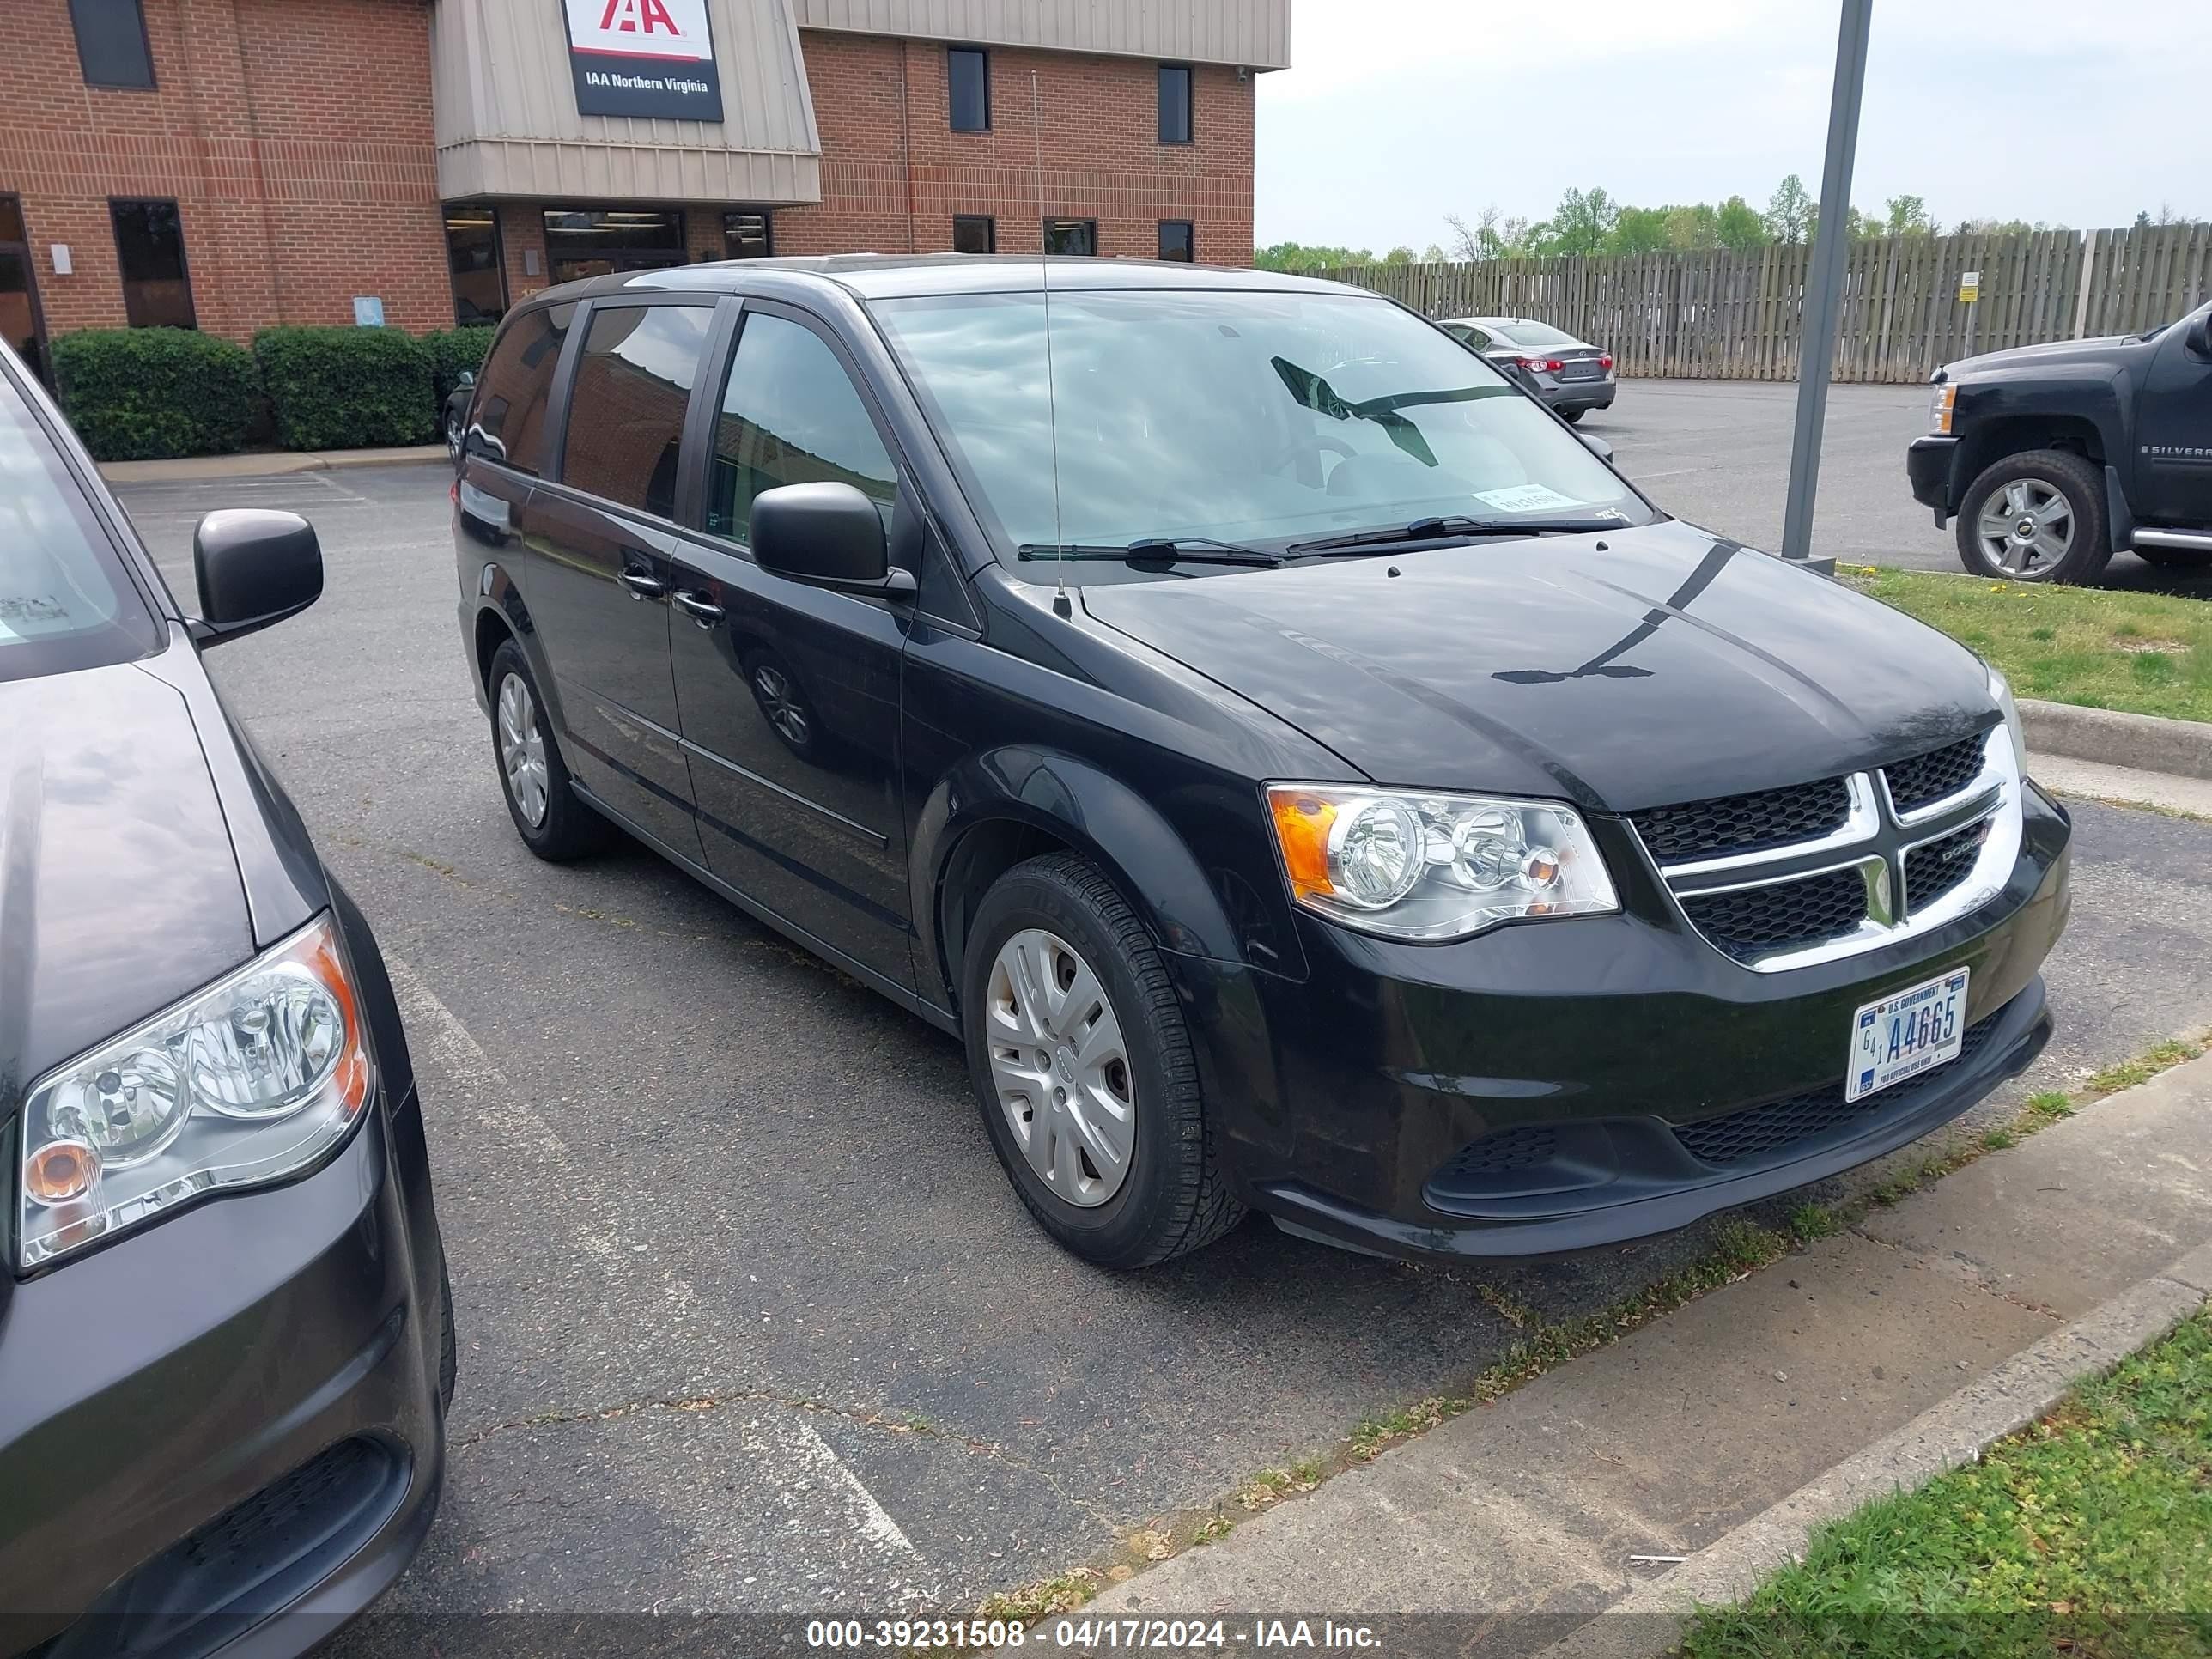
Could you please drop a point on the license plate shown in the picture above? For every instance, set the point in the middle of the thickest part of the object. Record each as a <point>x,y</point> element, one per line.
<point>1581,371</point>
<point>1906,1035</point>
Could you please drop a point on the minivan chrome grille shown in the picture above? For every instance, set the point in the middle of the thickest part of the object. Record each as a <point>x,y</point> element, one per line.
<point>1926,779</point>
<point>1744,823</point>
<point>1782,879</point>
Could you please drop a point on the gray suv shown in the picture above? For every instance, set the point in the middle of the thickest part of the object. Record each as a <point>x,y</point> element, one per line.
<point>1571,376</point>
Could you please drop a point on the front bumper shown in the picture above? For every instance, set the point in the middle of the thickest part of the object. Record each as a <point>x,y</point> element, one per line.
<point>1351,1103</point>
<point>224,1433</point>
<point>1927,463</point>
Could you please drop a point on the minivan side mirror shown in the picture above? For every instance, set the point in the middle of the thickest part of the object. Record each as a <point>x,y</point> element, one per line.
<point>1596,445</point>
<point>254,567</point>
<point>828,535</point>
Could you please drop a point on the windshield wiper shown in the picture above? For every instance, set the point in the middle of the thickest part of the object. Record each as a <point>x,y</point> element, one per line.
<point>1154,549</point>
<point>1421,530</point>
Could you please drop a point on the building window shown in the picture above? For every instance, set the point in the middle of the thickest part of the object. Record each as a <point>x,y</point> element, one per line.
<point>149,244</point>
<point>110,43</point>
<point>1174,104</point>
<point>594,241</point>
<point>1178,239</point>
<point>473,263</point>
<point>747,234</point>
<point>1076,238</point>
<point>974,232</point>
<point>968,72</point>
<point>634,380</point>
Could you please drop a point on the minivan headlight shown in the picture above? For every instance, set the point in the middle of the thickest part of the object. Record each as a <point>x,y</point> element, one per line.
<point>2001,689</point>
<point>1419,866</point>
<point>248,1081</point>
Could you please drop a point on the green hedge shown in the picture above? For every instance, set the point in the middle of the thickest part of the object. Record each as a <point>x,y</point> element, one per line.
<point>139,394</point>
<point>347,388</point>
<point>452,350</point>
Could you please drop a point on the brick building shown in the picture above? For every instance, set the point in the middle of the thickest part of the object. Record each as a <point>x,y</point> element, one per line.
<point>227,164</point>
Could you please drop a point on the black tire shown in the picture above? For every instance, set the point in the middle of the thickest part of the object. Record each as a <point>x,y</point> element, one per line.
<point>2073,477</point>
<point>568,828</point>
<point>1572,416</point>
<point>2177,558</point>
<point>1174,1198</point>
<point>449,1355</point>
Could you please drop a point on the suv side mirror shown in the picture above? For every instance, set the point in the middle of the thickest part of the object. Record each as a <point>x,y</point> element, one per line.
<point>467,377</point>
<point>2199,337</point>
<point>828,535</point>
<point>254,567</point>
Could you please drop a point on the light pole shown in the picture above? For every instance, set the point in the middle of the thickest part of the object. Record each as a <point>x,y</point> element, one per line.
<point>1824,282</point>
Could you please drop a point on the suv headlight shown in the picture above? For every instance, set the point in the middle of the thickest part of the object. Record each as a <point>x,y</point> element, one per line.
<point>249,1081</point>
<point>1940,405</point>
<point>1418,865</point>
<point>2001,689</point>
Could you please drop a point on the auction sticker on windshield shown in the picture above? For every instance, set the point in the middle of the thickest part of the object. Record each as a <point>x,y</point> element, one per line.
<point>1525,498</point>
<point>1906,1035</point>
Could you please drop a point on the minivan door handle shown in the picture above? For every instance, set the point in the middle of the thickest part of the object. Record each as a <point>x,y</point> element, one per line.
<point>642,583</point>
<point>705,612</point>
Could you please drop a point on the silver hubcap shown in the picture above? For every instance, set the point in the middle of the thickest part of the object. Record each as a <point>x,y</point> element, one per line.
<point>1060,1066</point>
<point>522,748</point>
<point>782,705</point>
<point>2025,527</point>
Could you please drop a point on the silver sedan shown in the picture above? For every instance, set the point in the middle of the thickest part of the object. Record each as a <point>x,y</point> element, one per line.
<point>1571,376</point>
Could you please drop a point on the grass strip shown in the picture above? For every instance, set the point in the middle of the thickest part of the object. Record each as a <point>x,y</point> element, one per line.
<point>2089,1533</point>
<point>2143,653</point>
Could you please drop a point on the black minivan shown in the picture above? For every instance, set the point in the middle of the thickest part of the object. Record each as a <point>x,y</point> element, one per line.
<point>226,1342</point>
<point>1305,775</point>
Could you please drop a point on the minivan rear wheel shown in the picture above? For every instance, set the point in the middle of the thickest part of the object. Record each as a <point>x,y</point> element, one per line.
<point>1084,1071</point>
<point>552,821</point>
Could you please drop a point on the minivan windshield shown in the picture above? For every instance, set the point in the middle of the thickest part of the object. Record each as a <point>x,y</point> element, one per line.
<point>66,601</point>
<point>1242,416</point>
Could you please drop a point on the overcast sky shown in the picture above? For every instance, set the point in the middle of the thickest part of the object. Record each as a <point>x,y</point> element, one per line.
<point>1397,112</point>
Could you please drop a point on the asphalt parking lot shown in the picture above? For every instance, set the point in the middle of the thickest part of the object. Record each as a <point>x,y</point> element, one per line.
<point>1717,452</point>
<point>750,1318</point>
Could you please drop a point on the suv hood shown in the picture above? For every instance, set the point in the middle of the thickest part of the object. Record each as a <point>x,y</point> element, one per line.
<point>119,892</point>
<point>1635,669</point>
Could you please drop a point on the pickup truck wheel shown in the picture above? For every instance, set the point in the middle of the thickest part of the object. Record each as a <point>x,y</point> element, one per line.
<point>1084,1070</point>
<point>2036,517</point>
<point>2177,558</point>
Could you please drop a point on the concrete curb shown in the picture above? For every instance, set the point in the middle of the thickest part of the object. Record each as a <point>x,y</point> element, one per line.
<point>2144,743</point>
<point>1650,1619</point>
<point>195,469</point>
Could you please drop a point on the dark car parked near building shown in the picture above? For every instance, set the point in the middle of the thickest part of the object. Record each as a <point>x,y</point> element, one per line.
<point>1304,776</point>
<point>225,1339</point>
<point>1571,377</point>
<point>2053,457</point>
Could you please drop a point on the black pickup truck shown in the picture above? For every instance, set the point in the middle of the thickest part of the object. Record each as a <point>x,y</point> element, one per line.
<point>2052,457</point>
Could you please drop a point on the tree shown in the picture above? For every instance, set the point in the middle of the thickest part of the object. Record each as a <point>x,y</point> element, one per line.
<point>1400,255</point>
<point>1298,256</point>
<point>1639,230</point>
<point>1466,241</point>
<point>1908,216</point>
<point>1433,255</point>
<point>1789,211</point>
<point>1696,225</point>
<point>1579,225</point>
<point>1738,225</point>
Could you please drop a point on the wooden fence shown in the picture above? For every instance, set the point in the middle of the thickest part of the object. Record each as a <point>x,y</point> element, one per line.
<point>1724,315</point>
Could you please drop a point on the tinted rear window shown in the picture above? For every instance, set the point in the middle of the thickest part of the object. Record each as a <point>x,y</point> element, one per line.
<point>507,421</point>
<point>66,601</point>
<point>626,413</point>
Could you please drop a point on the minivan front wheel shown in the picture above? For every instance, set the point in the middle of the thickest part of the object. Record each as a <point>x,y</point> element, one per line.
<point>1084,1071</point>
<point>552,821</point>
